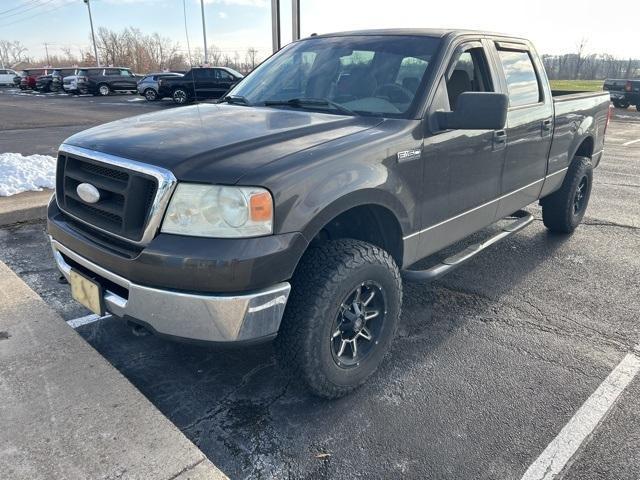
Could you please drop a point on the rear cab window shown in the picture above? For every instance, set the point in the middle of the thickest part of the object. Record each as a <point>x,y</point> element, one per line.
<point>523,84</point>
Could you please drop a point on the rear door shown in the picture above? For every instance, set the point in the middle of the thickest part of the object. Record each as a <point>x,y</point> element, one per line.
<point>204,80</point>
<point>462,167</point>
<point>529,126</point>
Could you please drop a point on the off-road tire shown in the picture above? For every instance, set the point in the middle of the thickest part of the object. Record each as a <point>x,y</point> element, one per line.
<point>322,281</point>
<point>559,212</point>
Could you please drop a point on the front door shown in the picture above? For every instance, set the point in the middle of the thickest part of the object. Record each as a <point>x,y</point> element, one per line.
<point>224,82</point>
<point>462,167</point>
<point>529,127</point>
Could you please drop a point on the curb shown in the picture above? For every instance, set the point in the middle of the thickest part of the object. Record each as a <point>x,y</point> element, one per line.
<point>24,207</point>
<point>68,413</point>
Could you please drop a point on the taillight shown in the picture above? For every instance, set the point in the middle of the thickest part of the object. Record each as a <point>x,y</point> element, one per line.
<point>628,87</point>
<point>609,115</point>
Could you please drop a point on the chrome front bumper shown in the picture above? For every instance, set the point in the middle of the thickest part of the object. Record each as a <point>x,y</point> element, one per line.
<point>211,318</point>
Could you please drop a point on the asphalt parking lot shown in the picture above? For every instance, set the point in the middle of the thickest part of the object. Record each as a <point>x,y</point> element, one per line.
<point>490,364</point>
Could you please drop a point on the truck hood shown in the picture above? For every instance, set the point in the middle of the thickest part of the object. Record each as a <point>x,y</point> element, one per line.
<point>217,143</point>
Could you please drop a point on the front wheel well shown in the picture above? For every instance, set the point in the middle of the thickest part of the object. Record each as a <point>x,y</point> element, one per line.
<point>369,223</point>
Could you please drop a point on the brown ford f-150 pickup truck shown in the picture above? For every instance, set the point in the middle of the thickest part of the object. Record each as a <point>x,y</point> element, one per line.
<point>295,207</point>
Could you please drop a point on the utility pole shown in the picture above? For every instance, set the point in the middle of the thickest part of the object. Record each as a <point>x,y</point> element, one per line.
<point>93,35</point>
<point>275,25</point>
<point>46,49</point>
<point>204,34</point>
<point>295,20</point>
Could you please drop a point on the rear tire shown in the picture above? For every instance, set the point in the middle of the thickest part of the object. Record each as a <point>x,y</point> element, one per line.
<point>621,104</point>
<point>104,90</point>
<point>562,211</point>
<point>150,95</point>
<point>345,292</point>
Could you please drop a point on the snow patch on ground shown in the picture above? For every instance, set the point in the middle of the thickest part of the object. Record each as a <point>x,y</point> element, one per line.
<point>19,173</point>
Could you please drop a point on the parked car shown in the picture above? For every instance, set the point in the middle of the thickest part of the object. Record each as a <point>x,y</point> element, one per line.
<point>17,79</point>
<point>6,76</point>
<point>293,209</point>
<point>52,81</point>
<point>101,81</point>
<point>29,76</point>
<point>198,84</point>
<point>148,86</point>
<point>624,92</point>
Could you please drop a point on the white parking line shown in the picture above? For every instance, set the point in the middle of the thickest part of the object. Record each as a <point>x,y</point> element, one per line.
<point>626,144</point>
<point>560,451</point>
<point>87,319</point>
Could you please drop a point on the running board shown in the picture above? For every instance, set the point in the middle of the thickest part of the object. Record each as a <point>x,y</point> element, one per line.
<point>448,264</point>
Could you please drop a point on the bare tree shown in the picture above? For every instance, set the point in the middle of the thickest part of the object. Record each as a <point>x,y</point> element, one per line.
<point>251,56</point>
<point>12,53</point>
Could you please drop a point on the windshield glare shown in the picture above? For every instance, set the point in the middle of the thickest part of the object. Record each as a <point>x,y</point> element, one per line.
<point>370,75</point>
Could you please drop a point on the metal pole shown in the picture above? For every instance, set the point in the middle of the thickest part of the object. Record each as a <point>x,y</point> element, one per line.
<point>295,19</point>
<point>93,35</point>
<point>204,34</point>
<point>47,52</point>
<point>275,24</point>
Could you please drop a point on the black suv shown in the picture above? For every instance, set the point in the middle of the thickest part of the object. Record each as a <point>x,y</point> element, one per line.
<point>102,81</point>
<point>52,81</point>
<point>199,84</point>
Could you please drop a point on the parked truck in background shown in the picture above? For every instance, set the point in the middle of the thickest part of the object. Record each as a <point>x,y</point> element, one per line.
<point>294,209</point>
<point>198,84</point>
<point>623,92</point>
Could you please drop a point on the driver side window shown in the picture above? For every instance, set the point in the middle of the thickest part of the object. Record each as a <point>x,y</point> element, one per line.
<point>470,74</point>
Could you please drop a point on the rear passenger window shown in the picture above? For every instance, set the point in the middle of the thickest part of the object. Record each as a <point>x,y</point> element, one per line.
<point>111,71</point>
<point>522,80</point>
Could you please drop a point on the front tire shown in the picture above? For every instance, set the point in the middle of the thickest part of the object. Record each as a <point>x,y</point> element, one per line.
<point>562,211</point>
<point>624,104</point>
<point>341,316</point>
<point>180,96</point>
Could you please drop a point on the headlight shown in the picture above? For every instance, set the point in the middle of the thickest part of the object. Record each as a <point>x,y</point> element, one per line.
<point>219,211</point>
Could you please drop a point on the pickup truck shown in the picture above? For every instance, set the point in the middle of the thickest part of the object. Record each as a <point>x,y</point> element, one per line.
<point>294,208</point>
<point>623,92</point>
<point>199,83</point>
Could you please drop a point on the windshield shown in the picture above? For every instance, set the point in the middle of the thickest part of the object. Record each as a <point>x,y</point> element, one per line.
<point>368,75</point>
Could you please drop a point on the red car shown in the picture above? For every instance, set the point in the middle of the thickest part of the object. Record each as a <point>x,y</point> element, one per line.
<point>28,77</point>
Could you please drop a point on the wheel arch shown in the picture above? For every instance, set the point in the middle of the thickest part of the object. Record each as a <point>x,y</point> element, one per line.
<point>372,216</point>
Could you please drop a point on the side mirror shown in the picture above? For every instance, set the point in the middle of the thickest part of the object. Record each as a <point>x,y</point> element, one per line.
<point>476,111</point>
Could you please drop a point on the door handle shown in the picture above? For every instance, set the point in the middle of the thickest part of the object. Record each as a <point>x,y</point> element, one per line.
<point>546,125</point>
<point>499,139</point>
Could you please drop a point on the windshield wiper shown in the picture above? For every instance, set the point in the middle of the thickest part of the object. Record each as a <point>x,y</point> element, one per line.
<point>309,102</point>
<point>234,99</point>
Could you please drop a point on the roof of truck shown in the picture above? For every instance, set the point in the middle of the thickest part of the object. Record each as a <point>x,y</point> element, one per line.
<point>427,32</point>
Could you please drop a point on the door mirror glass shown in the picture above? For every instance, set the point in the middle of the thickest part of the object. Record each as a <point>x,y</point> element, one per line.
<point>476,111</point>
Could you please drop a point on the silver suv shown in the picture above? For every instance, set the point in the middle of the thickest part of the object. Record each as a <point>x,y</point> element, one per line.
<point>148,86</point>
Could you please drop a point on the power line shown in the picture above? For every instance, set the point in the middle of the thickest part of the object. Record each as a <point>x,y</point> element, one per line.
<point>19,6</point>
<point>28,9</point>
<point>35,15</point>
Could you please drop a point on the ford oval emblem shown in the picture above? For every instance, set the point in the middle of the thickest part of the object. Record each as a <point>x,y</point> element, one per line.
<point>88,193</point>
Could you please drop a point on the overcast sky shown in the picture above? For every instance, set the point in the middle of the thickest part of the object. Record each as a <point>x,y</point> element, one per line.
<point>554,27</point>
